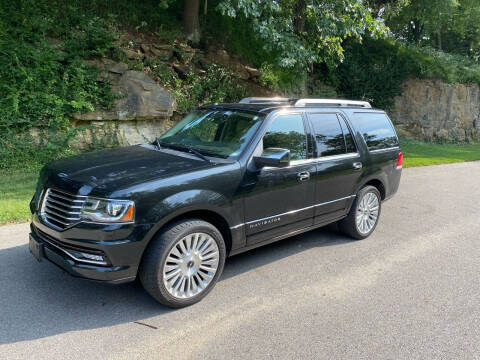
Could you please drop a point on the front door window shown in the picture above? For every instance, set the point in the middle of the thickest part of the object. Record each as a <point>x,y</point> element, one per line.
<point>287,132</point>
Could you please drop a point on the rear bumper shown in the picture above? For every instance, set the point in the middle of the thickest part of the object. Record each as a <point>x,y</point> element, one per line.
<point>121,256</point>
<point>394,183</point>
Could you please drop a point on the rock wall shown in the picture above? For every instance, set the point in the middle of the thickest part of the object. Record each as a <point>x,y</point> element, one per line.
<point>435,111</point>
<point>145,109</point>
<point>118,132</point>
<point>427,109</point>
<point>141,113</point>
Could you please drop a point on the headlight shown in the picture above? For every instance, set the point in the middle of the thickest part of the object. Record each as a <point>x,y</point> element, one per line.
<point>107,210</point>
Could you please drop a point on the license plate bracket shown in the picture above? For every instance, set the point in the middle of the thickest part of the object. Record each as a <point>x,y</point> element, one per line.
<point>36,248</point>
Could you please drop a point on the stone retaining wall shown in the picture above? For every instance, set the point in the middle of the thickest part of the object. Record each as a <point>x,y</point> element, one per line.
<point>427,110</point>
<point>434,110</point>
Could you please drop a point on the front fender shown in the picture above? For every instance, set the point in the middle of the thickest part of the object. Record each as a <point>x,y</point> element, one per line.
<point>187,201</point>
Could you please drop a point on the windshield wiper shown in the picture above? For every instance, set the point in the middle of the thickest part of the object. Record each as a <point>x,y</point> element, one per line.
<point>188,148</point>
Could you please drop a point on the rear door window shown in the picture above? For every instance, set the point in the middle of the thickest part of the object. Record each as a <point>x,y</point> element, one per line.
<point>328,134</point>
<point>377,130</point>
<point>332,135</point>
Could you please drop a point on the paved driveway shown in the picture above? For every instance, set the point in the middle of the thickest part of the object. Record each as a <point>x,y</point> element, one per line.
<point>412,290</point>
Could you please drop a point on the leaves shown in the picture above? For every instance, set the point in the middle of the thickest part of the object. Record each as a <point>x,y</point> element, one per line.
<point>326,25</point>
<point>43,80</point>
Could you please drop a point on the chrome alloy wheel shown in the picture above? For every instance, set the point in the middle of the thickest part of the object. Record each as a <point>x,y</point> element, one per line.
<point>367,212</point>
<point>191,265</point>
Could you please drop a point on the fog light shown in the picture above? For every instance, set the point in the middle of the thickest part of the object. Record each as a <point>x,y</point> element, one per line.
<point>93,257</point>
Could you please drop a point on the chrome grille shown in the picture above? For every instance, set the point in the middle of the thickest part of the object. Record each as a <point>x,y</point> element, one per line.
<point>61,209</point>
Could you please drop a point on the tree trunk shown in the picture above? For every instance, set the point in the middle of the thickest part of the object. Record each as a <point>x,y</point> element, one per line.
<point>439,40</point>
<point>299,24</point>
<point>417,31</point>
<point>191,23</point>
<point>299,20</point>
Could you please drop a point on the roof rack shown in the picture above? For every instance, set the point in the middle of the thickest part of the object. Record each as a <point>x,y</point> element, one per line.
<point>306,102</point>
<point>265,100</point>
<point>332,102</point>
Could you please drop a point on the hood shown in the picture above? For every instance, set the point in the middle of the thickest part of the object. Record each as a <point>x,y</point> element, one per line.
<point>113,169</point>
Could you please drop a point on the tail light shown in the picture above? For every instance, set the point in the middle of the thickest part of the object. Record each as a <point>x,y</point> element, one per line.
<point>400,160</point>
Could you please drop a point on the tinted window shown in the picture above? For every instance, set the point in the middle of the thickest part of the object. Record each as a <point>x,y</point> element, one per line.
<point>349,143</point>
<point>376,130</point>
<point>287,132</point>
<point>214,132</point>
<point>328,134</point>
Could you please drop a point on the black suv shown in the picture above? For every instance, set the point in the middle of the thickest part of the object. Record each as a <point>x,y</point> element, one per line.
<point>225,179</point>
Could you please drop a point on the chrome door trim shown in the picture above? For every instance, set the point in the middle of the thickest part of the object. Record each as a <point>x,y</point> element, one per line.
<point>320,159</point>
<point>385,150</point>
<point>291,212</point>
<point>338,157</point>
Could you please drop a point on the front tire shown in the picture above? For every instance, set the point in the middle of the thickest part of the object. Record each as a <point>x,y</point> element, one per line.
<point>183,263</point>
<point>364,214</point>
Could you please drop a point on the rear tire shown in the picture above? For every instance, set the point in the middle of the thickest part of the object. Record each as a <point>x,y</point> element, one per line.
<point>364,214</point>
<point>183,263</point>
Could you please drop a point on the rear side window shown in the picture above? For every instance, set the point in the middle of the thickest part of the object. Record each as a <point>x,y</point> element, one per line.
<point>331,135</point>
<point>349,143</point>
<point>377,130</point>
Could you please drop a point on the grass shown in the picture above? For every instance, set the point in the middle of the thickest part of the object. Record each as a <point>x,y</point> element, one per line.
<point>418,153</point>
<point>17,187</point>
<point>16,191</point>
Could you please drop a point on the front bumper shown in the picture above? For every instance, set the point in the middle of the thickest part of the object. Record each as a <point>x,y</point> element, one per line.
<point>121,247</point>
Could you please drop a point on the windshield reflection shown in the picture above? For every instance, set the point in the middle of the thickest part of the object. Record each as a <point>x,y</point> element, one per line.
<point>218,133</point>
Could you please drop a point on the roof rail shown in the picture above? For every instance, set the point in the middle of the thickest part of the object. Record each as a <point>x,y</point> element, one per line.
<point>264,100</point>
<point>332,102</point>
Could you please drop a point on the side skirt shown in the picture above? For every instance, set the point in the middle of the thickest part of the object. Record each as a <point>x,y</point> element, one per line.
<point>284,236</point>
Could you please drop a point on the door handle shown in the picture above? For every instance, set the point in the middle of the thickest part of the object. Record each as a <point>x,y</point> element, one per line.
<point>303,176</point>
<point>357,165</point>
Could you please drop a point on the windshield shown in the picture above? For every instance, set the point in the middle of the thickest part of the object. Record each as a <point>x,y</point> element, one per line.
<point>218,133</point>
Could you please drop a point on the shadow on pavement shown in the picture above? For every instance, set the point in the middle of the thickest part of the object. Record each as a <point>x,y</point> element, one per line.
<point>40,300</point>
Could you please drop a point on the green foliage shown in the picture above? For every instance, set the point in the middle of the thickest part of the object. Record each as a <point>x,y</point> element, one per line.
<point>239,38</point>
<point>376,69</point>
<point>45,81</point>
<point>31,150</point>
<point>217,86</point>
<point>313,31</point>
<point>90,37</point>
<point>450,25</point>
<point>452,68</point>
<point>372,71</point>
<point>165,74</point>
<point>422,18</point>
<point>284,80</point>
<point>161,16</point>
<point>44,45</point>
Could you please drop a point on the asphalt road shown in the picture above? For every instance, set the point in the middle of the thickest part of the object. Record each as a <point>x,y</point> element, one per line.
<point>410,291</point>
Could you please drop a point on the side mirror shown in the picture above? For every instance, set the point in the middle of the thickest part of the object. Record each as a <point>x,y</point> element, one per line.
<point>274,157</point>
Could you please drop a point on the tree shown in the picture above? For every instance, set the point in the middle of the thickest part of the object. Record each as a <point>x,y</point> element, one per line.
<point>423,21</point>
<point>464,36</point>
<point>302,32</point>
<point>191,23</point>
<point>300,9</point>
<point>450,25</point>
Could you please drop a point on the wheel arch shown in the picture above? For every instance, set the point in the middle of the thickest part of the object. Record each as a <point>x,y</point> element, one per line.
<point>378,184</point>
<point>211,216</point>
